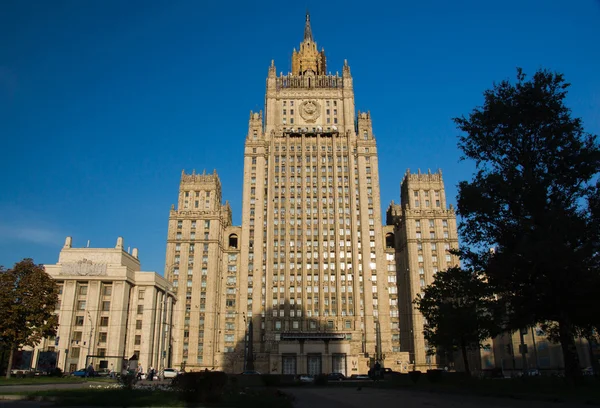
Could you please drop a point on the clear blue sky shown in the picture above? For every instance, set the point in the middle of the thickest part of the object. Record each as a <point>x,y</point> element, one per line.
<point>103,103</point>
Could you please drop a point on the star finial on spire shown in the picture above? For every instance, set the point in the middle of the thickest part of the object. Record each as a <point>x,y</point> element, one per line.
<point>307,30</point>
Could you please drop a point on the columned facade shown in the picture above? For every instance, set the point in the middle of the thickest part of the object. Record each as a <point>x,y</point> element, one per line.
<point>108,310</point>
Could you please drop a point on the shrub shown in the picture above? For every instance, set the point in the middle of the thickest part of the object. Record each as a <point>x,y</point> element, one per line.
<point>414,376</point>
<point>321,379</point>
<point>55,372</point>
<point>435,376</point>
<point>127,380</point>
<point>203,386</point>
<point>271,380</point>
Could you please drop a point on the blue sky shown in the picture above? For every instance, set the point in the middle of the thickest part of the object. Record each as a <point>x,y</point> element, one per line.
<point>103,103</point>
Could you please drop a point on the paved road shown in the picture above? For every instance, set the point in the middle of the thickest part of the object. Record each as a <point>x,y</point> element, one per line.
<point>381,398</point>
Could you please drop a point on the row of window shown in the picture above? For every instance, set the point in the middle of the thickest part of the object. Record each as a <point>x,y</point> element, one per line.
<point>192,235</point>
<point>433,246</point>
<point>193,224</point>
<point>432,235</point>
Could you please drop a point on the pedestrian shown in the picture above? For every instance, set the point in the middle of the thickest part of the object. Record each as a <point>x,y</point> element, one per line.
<point>151,374</point>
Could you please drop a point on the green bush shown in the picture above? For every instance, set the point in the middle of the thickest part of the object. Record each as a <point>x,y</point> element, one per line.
<point>435,376</point>
<point>414,376</point>
<point>203,386</point>
<point>321,379</point>
<point>55,372</point>
<point>128,380</point>
<point>270,380</point>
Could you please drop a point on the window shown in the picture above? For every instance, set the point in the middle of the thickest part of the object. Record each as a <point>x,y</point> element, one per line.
<point>138,340</point>
<point>138,324</point>
<point>348,324</point>
<point>104,321</point>
<point>78,320</point>
<point>83,290</point>
<point>105,306</point>
<point>108,290</point>
<point>141,294</point>
<point>102,337</point>
<point>140,309</point>
<point>76,336</point>
<point>81,305</point>
<point>74,352</point>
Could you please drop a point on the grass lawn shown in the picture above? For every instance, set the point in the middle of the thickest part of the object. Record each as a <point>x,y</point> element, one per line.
<point>40,380</point>
<point>133,398</point>
<point>52,380</point>
<point>533,388</point>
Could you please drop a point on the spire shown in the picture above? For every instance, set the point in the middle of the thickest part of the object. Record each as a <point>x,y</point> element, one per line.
<point>308,57</point>
<point>307,31</point>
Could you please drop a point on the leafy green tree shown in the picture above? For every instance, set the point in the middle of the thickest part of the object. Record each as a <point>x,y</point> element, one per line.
<point>460,312</point>
<point>534,170</point>
<point>28,298</point>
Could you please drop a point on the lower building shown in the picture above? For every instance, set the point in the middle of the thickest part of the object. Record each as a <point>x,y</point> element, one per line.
<point>108,309</point>
<point>530,349</point>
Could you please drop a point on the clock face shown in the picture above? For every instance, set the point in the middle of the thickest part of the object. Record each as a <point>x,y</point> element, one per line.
<point>310,110</point>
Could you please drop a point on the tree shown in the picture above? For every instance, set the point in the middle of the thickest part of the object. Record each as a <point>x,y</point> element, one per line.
<point>459,310</point>
<point>28,298</point>
<point>534,167</point>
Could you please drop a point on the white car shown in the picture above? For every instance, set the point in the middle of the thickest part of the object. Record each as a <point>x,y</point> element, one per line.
<point>306,378</point>
<point>169,373</point>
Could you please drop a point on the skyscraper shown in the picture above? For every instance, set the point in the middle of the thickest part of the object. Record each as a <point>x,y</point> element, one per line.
<point>312,267</point>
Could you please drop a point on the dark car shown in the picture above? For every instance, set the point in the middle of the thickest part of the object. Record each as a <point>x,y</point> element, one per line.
<point>250,372</point>
<point>336,377</point>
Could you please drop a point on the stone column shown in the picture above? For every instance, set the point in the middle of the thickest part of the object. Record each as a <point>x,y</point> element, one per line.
<point>326,360</point>
<point>301,367</point>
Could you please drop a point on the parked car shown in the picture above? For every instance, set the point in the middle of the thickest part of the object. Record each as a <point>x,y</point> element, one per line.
<point>104,372</point>
<point>304,378</point>
<point>336,377</point>
<point>360,377</point>
<point>588,371</point>
<point>250,372</point>
<point>169,373</point>
<point>79,373</point>
<point>23,371</point>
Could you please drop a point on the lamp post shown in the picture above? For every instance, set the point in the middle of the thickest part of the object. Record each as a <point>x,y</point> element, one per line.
<point>245,342</point>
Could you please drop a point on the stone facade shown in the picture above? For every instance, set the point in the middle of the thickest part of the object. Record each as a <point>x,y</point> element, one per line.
<point>424,231</point>
<point>203,264</point>
<point>312,266</point>
<point>108,308</point>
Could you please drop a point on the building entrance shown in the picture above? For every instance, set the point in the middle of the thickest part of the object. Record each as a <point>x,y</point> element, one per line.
<point>314,364</point>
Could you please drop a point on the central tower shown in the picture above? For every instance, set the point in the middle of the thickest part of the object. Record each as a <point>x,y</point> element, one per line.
<point>314,276</point>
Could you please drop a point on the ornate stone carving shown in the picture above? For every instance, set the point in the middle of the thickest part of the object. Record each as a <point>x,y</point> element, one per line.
<point>83,268</point>
<point>310,110</point>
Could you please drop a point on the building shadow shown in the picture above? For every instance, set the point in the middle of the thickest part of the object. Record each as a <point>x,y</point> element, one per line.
<point>276,343</point>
